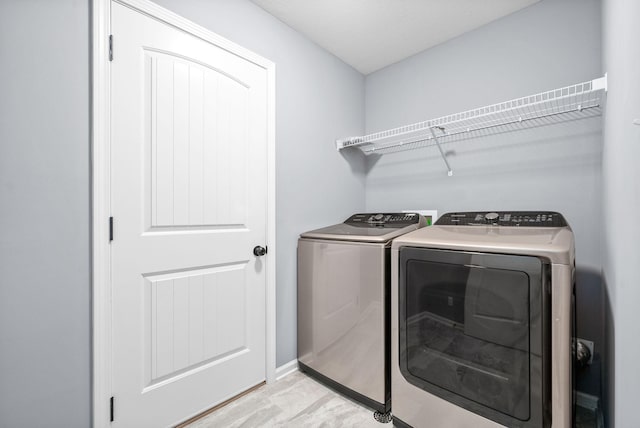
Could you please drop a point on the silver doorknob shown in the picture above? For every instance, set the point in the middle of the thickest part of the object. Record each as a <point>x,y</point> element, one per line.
<point>259,251</point>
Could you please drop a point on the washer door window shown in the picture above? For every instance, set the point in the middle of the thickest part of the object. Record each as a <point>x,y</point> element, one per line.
<point>472,332</point>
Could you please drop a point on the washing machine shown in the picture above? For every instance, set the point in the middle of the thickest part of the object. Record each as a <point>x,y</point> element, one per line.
<point>482,322</point>
<point>343,304</point>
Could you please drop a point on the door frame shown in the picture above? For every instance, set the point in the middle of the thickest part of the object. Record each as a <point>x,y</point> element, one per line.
<point>101,369</point>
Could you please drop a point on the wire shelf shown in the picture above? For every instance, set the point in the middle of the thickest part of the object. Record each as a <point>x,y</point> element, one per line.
<point>577,101</point>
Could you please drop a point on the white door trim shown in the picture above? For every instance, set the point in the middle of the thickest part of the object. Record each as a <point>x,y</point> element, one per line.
<point>101,211</point>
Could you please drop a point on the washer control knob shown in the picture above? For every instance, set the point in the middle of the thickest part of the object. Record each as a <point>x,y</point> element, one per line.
<point>491,217</point>
<point>378,217</point>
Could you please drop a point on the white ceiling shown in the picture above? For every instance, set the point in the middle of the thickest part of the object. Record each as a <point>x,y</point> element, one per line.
<point>371,34</point>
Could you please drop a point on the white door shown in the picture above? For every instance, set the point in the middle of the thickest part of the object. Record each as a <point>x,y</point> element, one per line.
<point>188,171</point>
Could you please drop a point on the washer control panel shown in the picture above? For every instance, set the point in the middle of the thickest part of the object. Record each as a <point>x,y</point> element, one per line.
<point>383,219</point>
<point>504,218</point>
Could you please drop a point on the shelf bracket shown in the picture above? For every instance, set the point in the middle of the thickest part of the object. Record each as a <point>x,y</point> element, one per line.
<point>600,83</point>
<point>444,157</point>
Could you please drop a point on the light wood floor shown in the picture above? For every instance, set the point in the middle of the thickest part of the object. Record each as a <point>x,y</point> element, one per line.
<point>294,401</point>
<point>301,402</point>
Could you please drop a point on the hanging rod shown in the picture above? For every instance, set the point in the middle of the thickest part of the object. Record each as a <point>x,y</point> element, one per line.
<point>571,102</point>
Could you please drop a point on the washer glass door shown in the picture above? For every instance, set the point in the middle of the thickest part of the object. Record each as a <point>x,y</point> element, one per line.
<point>471,331</point>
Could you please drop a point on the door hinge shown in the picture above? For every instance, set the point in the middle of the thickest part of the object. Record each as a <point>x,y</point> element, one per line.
<point>110,229</point>
<point>111,409</point>
<point>110,47</point>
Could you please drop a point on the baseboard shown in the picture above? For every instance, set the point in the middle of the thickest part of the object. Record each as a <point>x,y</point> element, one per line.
<point>587,401</point>
<point>286,369</point>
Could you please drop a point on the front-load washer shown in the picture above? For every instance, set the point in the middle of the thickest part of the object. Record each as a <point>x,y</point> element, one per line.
<point>482,322</point>
<point>343,304</point>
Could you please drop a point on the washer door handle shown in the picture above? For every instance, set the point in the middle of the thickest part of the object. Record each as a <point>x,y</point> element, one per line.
<point>259,251</point>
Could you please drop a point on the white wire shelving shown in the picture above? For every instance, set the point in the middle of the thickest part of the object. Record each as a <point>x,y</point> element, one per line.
<point>573,102</point>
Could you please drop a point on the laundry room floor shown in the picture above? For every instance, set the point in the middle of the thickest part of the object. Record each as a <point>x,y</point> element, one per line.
<point>299,401</point>
<point>294,401</point>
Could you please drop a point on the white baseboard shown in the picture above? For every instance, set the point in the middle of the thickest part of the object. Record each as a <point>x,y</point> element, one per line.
<point>587,401</point>
<point>286,369</point>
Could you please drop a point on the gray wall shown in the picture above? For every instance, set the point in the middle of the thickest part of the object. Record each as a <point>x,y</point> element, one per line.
<point>318,99</point>
<point>44,215</point>
<point>44,169</point>
<point>45,188</point>
<point>551,44</point>
<point>621,179</point>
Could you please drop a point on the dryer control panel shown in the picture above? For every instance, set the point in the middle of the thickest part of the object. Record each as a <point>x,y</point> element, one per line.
<point>503,218</point>
<point>383,219</point>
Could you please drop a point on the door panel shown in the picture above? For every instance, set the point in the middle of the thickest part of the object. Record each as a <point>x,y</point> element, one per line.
<point>188,163</point>
<point>199,128</point>
<point>194,318</point>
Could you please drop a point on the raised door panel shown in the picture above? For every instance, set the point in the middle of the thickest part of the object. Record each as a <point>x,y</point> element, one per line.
<point>193,319</point>
<point>198,132</point>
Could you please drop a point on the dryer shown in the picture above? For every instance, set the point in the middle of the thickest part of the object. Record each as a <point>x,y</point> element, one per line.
<point>481,328</point>
<point>344,304</point>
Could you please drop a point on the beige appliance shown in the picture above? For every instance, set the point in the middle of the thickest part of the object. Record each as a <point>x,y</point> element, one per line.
<point>482,326</point>
<point>343,304</point>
